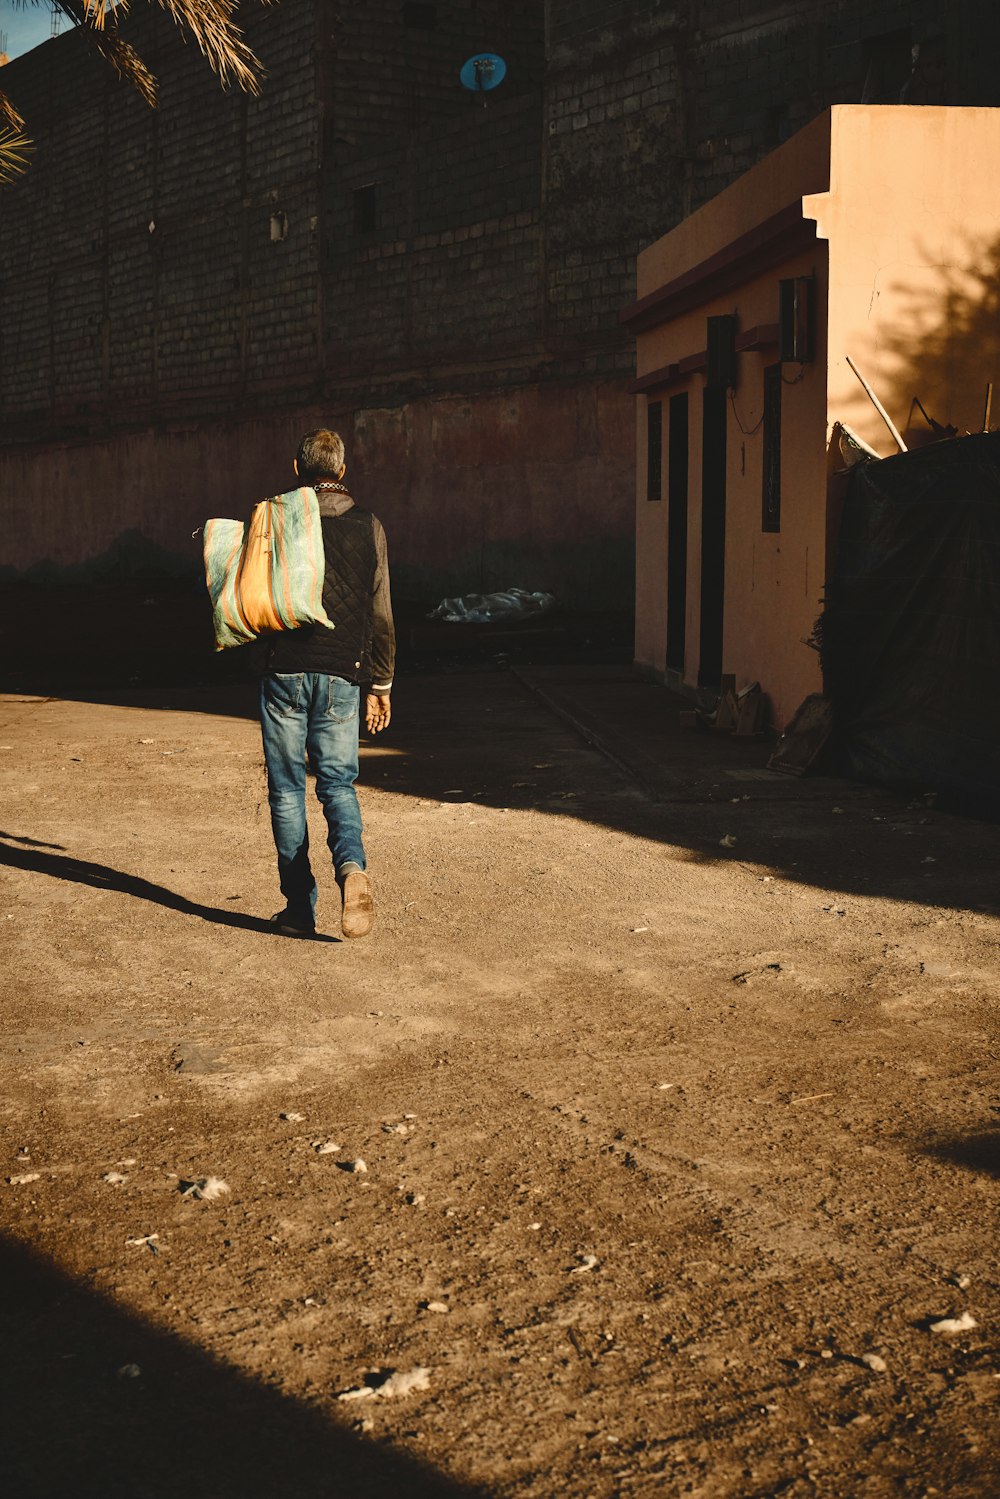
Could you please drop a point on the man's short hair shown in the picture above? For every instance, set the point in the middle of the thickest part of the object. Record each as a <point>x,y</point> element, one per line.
<point>320,455</point>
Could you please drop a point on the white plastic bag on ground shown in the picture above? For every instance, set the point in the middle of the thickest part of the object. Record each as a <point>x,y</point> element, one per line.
<point>489,608</point>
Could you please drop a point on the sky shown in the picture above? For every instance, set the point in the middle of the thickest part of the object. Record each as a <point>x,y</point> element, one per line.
<point>26,26</point>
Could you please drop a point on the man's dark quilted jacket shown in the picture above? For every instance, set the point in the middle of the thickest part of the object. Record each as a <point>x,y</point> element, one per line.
<point>361,646</point>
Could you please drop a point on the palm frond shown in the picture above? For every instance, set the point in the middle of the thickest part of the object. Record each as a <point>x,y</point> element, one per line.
<point>10,113</point>
<point>210,24</point>
<point>120,54</point>
<point>15,148</point>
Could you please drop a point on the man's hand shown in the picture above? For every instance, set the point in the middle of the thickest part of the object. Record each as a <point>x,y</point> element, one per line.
<point>377,711</point>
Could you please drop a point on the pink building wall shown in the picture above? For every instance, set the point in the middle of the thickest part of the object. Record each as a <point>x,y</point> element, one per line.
<point>893,211</point>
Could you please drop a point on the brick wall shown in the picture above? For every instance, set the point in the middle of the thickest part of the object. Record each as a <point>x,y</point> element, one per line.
<point>366,240</point>
<point>139,278</point>
<point>652,107</point>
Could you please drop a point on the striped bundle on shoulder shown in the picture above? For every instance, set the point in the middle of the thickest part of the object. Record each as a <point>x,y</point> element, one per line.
<point>267,573</point>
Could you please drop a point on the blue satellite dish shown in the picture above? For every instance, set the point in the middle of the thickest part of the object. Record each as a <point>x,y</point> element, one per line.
<point>483,72</point>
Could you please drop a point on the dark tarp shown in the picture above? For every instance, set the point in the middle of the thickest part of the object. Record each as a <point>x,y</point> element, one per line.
<point>911,631</point>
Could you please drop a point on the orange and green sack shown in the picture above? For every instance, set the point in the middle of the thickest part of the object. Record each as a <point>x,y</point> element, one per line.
<point>267,573</point>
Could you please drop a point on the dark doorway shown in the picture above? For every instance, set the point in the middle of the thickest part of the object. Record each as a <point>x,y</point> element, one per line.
<point>677,529</point>
<point>713,535</point>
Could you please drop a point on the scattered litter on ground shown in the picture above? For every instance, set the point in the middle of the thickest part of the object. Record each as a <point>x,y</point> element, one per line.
<point>639,929</point>
<point>114,1178</point>
<point>486,608</point>
<point>129,1371</point>
<point>23,1179</point>
<point>325,1147</point>
<point>437,1306</point>
<point>875,1363</point>
<point>587,1262</point>
<point>395,1386</point>
<point>357,1167</point>
<point>204,1188</point>
<point>292,1118</point>
<point>963,1282</point>
<point>837,811</point>
<point>395,1129</point>
<point>534,1227</point>
<point>148,1241</point>
<point>809,1097</point>
<point>964,1323</point>
<point>409,1116</point>
<point>664,1087</point>
<point>414,1199</point>
<point>728,841</point>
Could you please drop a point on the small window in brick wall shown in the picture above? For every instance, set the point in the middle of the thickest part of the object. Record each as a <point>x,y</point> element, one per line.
<point>366,208</point>
<point>889,65</point>
<point>418,16</point>
<point>654,450</point>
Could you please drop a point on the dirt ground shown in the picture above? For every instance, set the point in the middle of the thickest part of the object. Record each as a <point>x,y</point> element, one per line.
<point>663,1138</point>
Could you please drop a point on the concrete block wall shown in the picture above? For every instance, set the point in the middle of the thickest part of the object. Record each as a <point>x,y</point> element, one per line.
<point>144,292</point>
<point>138,276</point>
<point>652,107</point>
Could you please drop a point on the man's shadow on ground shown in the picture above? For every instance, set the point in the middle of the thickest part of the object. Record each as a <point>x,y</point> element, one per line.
<point>28,853</point>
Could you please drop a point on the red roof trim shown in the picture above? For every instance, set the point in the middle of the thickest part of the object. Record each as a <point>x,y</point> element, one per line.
<point>782,234</point>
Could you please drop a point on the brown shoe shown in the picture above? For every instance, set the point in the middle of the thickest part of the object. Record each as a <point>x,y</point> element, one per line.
<point>359,908</point>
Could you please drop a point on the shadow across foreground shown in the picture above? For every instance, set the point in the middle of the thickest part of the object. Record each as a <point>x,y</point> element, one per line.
<point>478,736</point>
<point>980,1152</point>
<point>80,1421</point>
<point>103,877</point>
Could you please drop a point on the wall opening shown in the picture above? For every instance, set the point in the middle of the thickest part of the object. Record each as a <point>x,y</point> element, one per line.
<point>654,450</point>
<point>770,513</point>
<point>366,208</point>
<point>677,529</point>
<point>419,16</point>
<point>713,535</point>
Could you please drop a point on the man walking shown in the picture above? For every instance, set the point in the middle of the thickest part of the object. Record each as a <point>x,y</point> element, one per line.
<point>310,697</point>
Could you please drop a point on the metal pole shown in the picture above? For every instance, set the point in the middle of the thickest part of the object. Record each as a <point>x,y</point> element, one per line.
<point>901,445</point>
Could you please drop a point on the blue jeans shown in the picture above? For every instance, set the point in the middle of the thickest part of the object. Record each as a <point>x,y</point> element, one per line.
<point>310,713</point>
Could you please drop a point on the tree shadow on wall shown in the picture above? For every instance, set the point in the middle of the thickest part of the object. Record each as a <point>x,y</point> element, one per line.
<point>943,340</point>
<point>99,1405</point>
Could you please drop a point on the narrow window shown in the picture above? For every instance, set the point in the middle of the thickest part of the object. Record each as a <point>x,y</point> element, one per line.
<point>889,59</point>
<point>419,16</point>
<point>771,494</point>
<point>713,535</point>
<point>677,529</point>
<point>654,449</point>
<point>366,208</point>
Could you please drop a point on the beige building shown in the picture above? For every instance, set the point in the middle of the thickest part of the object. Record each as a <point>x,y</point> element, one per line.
<point>873,233</point>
